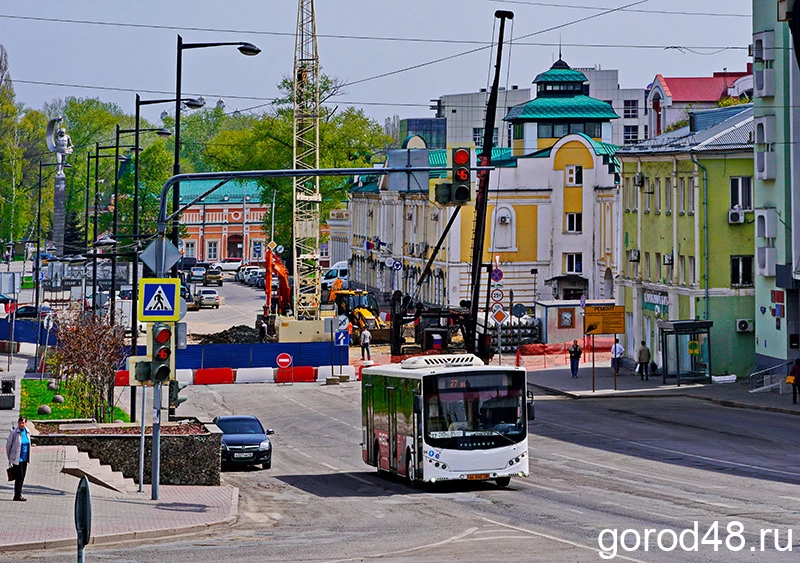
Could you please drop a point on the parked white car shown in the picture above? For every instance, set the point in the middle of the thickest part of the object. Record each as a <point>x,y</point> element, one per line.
<point>228,265</point>
<point>208,298</point>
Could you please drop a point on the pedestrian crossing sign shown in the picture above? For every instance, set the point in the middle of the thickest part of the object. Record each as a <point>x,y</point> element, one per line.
<point>159,299</point>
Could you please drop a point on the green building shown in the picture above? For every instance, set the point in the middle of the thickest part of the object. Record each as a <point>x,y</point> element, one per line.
<point>687,235</point>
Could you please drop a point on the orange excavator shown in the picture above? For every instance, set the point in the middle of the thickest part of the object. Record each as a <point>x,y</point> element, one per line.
<point>283,301</point>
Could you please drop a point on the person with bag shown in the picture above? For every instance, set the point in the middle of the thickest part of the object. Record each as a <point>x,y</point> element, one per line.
<point>643,361</point>
<point>18,451</point>
<point>794,379</point>
<point>575,353</point>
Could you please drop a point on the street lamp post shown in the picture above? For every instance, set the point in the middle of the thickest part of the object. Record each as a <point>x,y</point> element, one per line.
<point>244,48</point>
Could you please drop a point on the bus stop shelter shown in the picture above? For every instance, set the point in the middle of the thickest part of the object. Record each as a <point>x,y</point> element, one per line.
<point>686,347</point>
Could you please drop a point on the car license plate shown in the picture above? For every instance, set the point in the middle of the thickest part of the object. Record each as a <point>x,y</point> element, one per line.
<point>477,477</point>
<point>245,454</point>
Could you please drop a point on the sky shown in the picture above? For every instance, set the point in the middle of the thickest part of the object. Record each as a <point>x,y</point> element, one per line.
<point>112,49</point>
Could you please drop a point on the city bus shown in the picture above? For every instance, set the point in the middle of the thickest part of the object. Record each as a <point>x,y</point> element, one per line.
<point>446,418</point>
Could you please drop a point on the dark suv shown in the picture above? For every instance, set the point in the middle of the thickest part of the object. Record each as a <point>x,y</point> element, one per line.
<point>213,277</point>
<point>244,441</point>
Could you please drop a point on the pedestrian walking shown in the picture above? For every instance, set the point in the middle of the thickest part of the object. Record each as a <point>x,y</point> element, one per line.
<point>616,355</point>
<point>366,337</point>
<point>262,331</point>
<point>575,353</point>
<point>643,361</point>
<point>18,451</point>
<point>795,372</point>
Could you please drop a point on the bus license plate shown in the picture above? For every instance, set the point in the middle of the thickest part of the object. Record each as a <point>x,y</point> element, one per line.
<point>243,455</point>
<point>477,477</point>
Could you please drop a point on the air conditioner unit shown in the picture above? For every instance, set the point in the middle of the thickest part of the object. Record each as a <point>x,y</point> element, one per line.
<point>409,216</point>
<point>735,216</point>
<point>505,219</point>
<point>638,179</point>
<point>667,259</point>
<point>633,255</point>
<point>745,325</point>
<point>410,249</point>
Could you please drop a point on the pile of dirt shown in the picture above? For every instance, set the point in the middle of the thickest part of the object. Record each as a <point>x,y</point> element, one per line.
<point>239,334</point>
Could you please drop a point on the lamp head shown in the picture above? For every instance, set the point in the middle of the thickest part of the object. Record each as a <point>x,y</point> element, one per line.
<point>248,49</point>
<point>195,103</point>
<point>164,132</point>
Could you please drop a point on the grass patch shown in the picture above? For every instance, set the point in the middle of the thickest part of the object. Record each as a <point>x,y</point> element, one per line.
<point>27,282</point>
<point>35,393</point>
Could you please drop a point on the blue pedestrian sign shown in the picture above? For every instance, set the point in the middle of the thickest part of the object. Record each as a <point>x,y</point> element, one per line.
<point>159,299</point>
<point>342,338</point>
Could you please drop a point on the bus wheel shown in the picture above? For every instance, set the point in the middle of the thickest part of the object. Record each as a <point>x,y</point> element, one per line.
<point>503,481</point>
<point>410,472</point>
<point>377,451</point>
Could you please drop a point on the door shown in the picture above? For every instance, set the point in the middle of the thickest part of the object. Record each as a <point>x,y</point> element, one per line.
<point>391,399</point>
<point>369,424</point>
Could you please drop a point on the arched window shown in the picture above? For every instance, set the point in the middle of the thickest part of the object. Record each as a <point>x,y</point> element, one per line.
<point>504,229</point>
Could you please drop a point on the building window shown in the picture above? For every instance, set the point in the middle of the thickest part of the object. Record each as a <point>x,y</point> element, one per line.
<point>574,175</point>
<point>477,136</point>
<point>682,195</point>
<point>323,250</point>
<point>668,195</point>
<point>741,271</point>
<point>682,266</point>
<point>519,130</point>
<point>657,195</point>
<point>509,134</point>
<point>212,250</point>
<point>630,109</point>
<point>690,273</point>
<point>646,132</point>
<point>574,222</point>
<point>647,192</point>
<point>594,129</point>
<point>573,263</point>
<point>658,267</point>
<point>575,128</point>
<point>631,134</point>
<point>188,248</point>
<point>627,194</point>
<point>646,273</point>
<point>742,193</point>
<point>560,130</point>
<point>690,199</point>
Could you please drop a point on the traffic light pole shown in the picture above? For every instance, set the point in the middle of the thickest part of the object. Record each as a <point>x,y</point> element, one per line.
<point>156,468</point>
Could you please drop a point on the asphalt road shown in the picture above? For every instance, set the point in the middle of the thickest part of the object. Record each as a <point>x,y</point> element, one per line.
<point>240,306</point>
<point>596,464</point>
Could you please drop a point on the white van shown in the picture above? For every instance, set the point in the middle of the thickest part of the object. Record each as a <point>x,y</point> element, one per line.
<point>338,271</point>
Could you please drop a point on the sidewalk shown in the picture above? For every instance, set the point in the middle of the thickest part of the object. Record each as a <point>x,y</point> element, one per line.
<point>559,380</point>
<point>47,519</point>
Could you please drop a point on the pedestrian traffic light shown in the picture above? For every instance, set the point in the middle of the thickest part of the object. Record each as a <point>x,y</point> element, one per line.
<point>142,370</point>
<point>461,191</point>
<point>160,369</point>
<point>175,387</point>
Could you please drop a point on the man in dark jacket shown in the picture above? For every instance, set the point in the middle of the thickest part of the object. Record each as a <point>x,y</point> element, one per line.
<point>574,357</point>
<point>643,361</point>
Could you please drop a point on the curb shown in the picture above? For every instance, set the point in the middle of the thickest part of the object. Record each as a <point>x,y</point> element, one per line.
<point>119,537</point>
<point>721,402</point>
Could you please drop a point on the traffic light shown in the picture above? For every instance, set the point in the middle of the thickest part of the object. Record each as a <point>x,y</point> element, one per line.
<point>143,370</point>
<point>175,387</point>
<point>461,191</point>
<point>160,370</point>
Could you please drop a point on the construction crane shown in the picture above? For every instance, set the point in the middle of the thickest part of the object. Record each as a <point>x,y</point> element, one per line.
<point>305,194</point>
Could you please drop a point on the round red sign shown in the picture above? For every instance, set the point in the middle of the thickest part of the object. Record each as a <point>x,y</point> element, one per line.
<point>284,360</point>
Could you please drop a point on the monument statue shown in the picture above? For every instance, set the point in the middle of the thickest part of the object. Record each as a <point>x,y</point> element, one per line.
<point>59,143</point>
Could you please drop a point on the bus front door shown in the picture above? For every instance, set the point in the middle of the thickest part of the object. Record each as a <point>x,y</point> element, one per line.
<point>391,396</point>
<point>369,415</point>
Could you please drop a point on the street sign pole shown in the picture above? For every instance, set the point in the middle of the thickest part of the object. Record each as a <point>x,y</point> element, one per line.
<point>141,439</point>
<point>593,363</point>
<point>156,468</point>
<point>616,363</point>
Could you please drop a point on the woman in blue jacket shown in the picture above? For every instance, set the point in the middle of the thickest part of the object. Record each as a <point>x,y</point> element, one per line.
<point>18,450</point>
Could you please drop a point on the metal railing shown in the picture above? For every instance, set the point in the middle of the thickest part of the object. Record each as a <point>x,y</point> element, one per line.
<point>769,378</point>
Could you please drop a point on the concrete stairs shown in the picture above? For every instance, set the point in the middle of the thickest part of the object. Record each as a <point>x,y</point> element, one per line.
<point>78,464</point>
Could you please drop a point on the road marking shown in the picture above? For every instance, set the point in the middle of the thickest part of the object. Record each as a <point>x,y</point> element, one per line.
<point>329,466</point>
<point>671,451</point>
<point>455,538</point>
<point>556,539</point>
<point>715,504</point>
<point>791,498</point>
<point>645,475</point>
<point>667,516</point>
<point>526,537</point>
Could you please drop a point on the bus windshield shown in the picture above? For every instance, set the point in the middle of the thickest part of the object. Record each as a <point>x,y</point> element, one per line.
<point>470,404</point>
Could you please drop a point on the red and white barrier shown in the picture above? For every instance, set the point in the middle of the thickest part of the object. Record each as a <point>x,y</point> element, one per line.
<point>324,372</point>
<point>213,376</point>
<point>255,375</point>
<point>296,374</point>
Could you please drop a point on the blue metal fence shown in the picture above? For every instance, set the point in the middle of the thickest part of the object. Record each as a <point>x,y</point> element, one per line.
<point>25,331</point>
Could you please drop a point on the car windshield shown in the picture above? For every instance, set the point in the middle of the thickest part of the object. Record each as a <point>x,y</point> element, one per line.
<point>240,426</point>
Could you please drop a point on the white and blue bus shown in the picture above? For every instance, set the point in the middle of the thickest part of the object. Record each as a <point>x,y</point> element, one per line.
<point>446,418</point>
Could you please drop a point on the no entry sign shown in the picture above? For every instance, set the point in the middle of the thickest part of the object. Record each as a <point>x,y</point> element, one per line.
<point>284,360</point>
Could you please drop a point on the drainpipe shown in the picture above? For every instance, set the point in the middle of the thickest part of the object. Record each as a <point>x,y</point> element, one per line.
<point>705,227</point>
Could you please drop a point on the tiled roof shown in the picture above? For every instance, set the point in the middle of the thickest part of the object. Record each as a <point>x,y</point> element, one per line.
<point>560,75</point>
<point>699,89</point>
<point>234,191</point>
<point>600,149</point>
<point>734,133</point>
<point>575,107</point>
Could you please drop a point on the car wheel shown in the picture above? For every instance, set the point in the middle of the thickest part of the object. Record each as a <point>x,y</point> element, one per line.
<point>217,307</point>
<point>267,465</point>
<point>503,482</point>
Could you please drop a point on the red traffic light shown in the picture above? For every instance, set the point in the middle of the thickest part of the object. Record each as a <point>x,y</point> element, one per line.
<point>162,354</point>
<point>163,335</point>
<point>461,157</point>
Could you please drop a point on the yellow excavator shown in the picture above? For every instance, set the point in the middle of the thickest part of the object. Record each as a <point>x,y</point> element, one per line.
<point>361,308</point>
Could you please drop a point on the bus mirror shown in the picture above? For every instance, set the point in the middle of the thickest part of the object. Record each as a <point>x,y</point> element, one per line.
<point>530,395</point>
<point>417,404</point>
<point>531,411</point>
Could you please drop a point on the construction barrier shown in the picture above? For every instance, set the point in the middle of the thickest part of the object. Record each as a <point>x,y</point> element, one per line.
<point>255,375</point>
<point>213,376</point>
<point>296,374</point>
<point>184,375</point>
<point>324,372</point>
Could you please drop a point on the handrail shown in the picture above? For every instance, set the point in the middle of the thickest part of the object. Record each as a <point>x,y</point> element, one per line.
<point>771,368</point>
<point>758,379</point>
